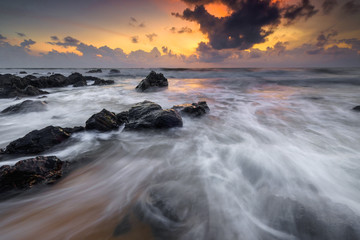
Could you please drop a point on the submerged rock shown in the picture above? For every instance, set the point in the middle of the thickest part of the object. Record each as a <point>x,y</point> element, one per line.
<point>193,110</point>
<point>114,71</point>
<point>27,173</point>
<point>102,121</point>
<point>95,71</point>
<point>26,106</point>
<point>22,72</point>
<point>149,115</point>
<point>38,141</point>
<point>357,108</point>
<point>153,80</point>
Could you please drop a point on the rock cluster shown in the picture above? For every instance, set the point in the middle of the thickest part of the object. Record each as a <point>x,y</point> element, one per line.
<point>25,107</point>
<point>15,86</point>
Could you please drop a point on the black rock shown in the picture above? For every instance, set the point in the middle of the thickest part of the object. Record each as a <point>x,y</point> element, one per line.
<point>38,141</point>
<point>193,110</point>
<point>55,80</point>
<point>75,78</point>
<point>33,91</point>
<point>102,121</point>
<point>13,92</point>
<point>114,71</point>
<point>26,106</point>
<point>123,117</point>
<point>74,129</point>
<point>95,71</point>
<point>357,108</point>
<point>22,72</point>
<point>27,173</point>
<point>81,83</point>
<point>101,82</point>
<point>149,115</point>
<point>153,80</point>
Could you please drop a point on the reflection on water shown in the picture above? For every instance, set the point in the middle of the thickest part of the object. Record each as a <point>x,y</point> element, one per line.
<point>271,161</point>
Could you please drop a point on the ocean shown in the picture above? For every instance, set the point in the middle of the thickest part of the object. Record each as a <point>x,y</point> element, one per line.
<point>277,157</point>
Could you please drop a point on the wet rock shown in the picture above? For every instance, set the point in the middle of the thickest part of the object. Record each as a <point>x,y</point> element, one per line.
<point>13,92</point>
<point>95,71</point>
<point>38,141</point>
<point>123,117</point>
<point>74,129</point>
<point>22,72</point>
<point>32,91</point>
<point>153,80</point>
<point>357,108</point>
<point>55,80</point>
<point>149,115</point>
<point>193,110</point>
<point>114,71</point>
<point>102,121</point>
<point>75,78</point>
<point>27,173</point>
<point>81,83</point>
<point>26,106</point>
<point>102,82</point>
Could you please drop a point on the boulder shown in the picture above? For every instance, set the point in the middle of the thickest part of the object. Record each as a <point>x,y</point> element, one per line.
<point>74,129</point>
<point>27,173</point>
<point>102,121</point>
<point>357,108</point>
<point>153,80</point>
<point>22,72</point>
<point>55,80</point>
<point>114,71</point>
<point>75,78</point>
<point>38,141</point>
<point>95,71</point>
<point>81,83</point>
<point>26,106</point>
<point>193,110</point>
<point>101,82</point>
<point>149,115</point>
<point>13,91</point>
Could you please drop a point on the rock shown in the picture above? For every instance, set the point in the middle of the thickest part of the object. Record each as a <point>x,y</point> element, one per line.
<point>101,82</point>
<point>95,71</point>
<point>153,80</point>
<point>75,78</point>
<point>27,173</point>
<point>357,108</point>
<point>26,106</point>
<point>123,117</point>
<point>149,115</point>
<point>12,92</point>
<point>55,80</point>
<point>114,71</point>
<point>38,141</point>
<point>193,110</point>
<point>81,83</point>
<point>74,129</point>
<point>102,121</point>
<point>33,91</point>
<point>22,72</point>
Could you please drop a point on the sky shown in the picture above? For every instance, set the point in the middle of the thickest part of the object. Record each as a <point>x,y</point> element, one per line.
<point>179,33</point>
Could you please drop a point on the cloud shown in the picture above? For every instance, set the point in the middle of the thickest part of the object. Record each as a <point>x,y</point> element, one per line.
<point>329,5</point>
<point>209,55</point>
<point>54,38</point>
<point>324,38</point>
<point>27,43</point>
<point>304,9</point>
<point>135,39</point>
<point>181,30</point>
<point>151,36</point>
<point>164,49</point>
<point>67,42</point>
<point>134,23</point>
<point>351,7</point>
<point>2,38</point>
<point>21,34</point>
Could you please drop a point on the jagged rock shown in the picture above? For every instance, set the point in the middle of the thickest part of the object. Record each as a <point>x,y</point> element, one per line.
<point>22,72</point>
<point>102,121</point>
<point>153,80</point>
<point>114,71</point>
<point>81,83</point>
<point>38,141</point>
<point>95,71</point>
<point>147,115</point>
<point>193,110</point>
<point>357,108</point>
<point>101,82</point>
<point>122,117</point>
<point>26,106</point>
<point>74,129</point>
<point>12,92</point>
<point>27,173</point>
<point>55,80</point>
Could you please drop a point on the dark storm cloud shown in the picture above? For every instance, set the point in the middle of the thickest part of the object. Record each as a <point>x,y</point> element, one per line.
<point>304,9</point>
<point>151,36</point>
<point>250,22</point>
<point>164,49</point>
<point>2,37</point>
<point>208,54</point>
<point>134,39</point>
<point>351,7</point>
<point>329,5</point>
<point>54,38</point>
<point>181,30</point>
<point>27,43</point>
<point>21,34</point>
<point>242,29</point>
